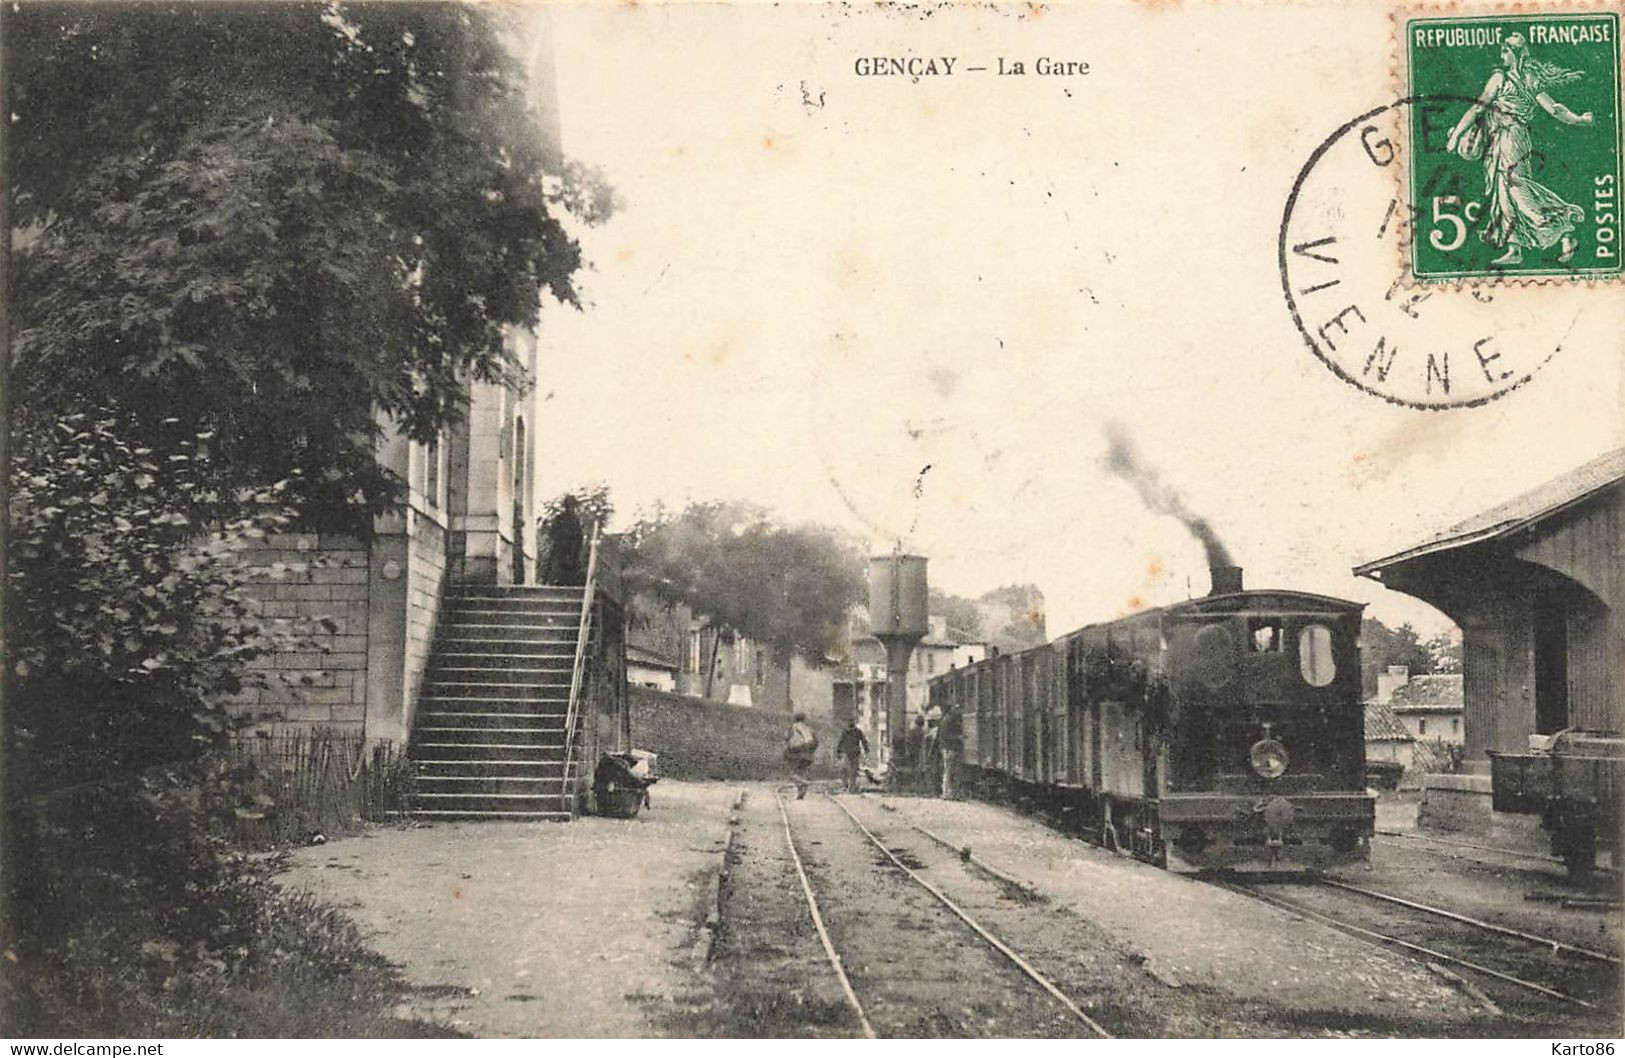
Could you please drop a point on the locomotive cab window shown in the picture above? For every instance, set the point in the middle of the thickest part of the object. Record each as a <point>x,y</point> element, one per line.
<point>1315,655</point>
<point>1264,635</point>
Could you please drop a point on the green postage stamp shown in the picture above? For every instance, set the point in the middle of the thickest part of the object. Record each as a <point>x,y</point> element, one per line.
<point>1515,145</point>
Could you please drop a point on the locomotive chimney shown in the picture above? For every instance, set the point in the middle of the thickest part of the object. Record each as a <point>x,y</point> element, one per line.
<point>1226,579</point>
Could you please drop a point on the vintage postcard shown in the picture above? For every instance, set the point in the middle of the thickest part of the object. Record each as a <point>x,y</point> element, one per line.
<point>813,521</point>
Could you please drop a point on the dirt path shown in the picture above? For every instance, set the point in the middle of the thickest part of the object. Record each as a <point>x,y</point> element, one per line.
<point>591,928</point>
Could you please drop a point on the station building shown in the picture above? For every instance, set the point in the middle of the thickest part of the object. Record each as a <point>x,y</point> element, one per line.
<point>1536,585</point>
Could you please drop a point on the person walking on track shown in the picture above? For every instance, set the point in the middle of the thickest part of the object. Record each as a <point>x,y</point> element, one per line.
<point>800,746</point>
<point>851,749</point>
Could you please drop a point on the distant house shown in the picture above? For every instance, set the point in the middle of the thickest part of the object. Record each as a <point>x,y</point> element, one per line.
<point>1430,707</point>
<point>671,648</point>
<point>1387,742</point>
<point>649,668</point>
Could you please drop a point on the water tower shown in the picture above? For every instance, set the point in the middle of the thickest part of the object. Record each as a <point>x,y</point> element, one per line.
<point>898,617</point>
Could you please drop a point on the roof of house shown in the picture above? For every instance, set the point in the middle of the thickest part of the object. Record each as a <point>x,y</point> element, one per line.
<point>1428,694</point>
<point>649,659</point>
<point>1520,512</point>
<point>1381,725</point>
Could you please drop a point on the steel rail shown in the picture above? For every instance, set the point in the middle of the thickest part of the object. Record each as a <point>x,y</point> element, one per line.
<point>1003,949</point>
<point>1496,849</point>
<point>964,853</point>
<point>1373,935</point>
<point>818,924</point>
<point>1545,942</point>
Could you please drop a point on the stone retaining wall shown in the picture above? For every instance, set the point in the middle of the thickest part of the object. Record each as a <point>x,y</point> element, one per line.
<point>699,739</point>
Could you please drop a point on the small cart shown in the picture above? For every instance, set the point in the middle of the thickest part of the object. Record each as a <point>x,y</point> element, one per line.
<point>621,782</point>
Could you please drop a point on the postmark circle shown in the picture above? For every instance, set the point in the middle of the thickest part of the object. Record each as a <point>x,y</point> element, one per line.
<point>1342,259</point>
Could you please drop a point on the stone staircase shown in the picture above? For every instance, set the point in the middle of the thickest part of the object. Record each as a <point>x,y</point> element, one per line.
<point>488,741</point>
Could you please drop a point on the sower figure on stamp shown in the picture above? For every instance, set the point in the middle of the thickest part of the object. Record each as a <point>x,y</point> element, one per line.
<point>851,749</point>
<point>800,747</point>
<point>1519,211</point>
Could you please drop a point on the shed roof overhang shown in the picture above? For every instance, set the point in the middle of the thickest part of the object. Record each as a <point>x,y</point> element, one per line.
<point>1513,518</point>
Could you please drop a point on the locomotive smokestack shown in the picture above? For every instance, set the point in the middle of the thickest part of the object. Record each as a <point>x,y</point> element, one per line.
<point>1226,579</point>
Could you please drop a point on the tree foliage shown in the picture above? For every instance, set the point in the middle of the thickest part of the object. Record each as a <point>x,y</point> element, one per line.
<point>127,612</point>
<point>281,219</point>
<point>1010,617</point>
<point>1382,646</point>
<point>790,587</point>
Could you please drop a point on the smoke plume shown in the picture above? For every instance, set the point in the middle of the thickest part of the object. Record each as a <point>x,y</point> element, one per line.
<point>1159,497</point>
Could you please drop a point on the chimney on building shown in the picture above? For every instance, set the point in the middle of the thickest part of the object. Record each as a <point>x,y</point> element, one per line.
<point>1392,680</point>
<point>1226,580</point>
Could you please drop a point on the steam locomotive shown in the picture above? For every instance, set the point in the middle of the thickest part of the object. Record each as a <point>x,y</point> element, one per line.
<point>1221,732</point>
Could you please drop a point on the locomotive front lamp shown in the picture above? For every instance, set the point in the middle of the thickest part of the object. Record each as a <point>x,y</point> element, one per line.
<point>1268,756</point>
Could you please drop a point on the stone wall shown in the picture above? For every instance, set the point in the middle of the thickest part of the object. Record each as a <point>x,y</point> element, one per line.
<point>425,579</point>
<point>698,739</point>
<point>313,589</point>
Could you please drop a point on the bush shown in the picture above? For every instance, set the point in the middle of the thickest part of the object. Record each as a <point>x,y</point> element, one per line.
<point>125,609</point>
<point>133,917</point>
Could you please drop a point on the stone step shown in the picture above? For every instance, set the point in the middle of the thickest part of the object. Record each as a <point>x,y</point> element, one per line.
<point>540,670</point>
<point>550,770</point>
<point>454,617</point>
<point>491,802</point>
<point>483,604</point>
<point>517,591</point>
<point>469,720</point>
<point>435,815</point>
<point>506,750</point>
<point>546,785</point>
<point>512,651</point>
<point>556,706</point>
<point>516,692</point>
<point>486,663</point>
<point>508,735</point>
<point>491,805</point>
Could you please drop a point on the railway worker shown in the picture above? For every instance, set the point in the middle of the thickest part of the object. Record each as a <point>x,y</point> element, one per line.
<point>851,749</point>
<point>800,747</point>
<point>931,753</point>
<point>951,743</point>
<point>914,751</point>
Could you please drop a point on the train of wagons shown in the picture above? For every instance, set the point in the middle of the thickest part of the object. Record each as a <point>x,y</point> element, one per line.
<point>1224,732</point>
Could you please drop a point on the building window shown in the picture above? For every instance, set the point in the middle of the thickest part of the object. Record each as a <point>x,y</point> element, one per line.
<point>761,669</point>
<point>1455,725</point>
<point>1422,726</point>
<point>930,662</point>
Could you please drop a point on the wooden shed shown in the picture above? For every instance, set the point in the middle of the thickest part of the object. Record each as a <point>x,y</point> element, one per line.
<point>1536,585</point>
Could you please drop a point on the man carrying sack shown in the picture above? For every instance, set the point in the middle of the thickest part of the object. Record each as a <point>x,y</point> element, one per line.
<point>800,746</point>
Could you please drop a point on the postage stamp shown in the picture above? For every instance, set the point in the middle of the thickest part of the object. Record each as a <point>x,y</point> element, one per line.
<point>1514,140</point>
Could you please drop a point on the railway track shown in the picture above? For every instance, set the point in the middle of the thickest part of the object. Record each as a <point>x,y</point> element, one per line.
<point>838,965</point>
<point>1567,968</point>
<point>1512,963</point>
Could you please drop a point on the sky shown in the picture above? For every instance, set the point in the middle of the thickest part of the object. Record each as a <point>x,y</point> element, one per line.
<point>914,309</point>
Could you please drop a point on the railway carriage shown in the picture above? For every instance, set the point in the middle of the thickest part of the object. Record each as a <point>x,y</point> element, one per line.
<point>1221,732</point>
